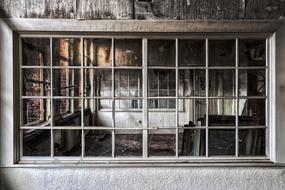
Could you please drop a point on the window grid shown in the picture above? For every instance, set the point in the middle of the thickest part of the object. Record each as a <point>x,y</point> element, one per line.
<point>145,98</point>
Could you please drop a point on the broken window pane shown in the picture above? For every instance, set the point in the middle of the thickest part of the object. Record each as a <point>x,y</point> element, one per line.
<point>192,142</point>
<point>252,82</point>
<point>252,112</point>
<point>192,112</point>
<point>161,142</point>
<point>221,142</point>
<point>36,82</point>
<point>98,143</point>
<point>98,82</point>
<point>192,53</point>
<point>252,142</point>
<point>36,51</point>
<point>252,52</point>
<point>192,82</point>
<point>221,52</point>
<point>66,52</point>
<point>67,112</point>
<point>36,112</point>
<point>222,112</point>
<point>128,52</point>
<point>128,83</point>
<point>66,82</point>
<point>128,143</point>
<point>222,82</point>
<point>36,142</point>
<point>161,82</point>
<point>67,142</point>
<point>161,53</point>
<point>98,52</point>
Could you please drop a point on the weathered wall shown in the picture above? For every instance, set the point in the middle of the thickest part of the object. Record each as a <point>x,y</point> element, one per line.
<point>134,9</point>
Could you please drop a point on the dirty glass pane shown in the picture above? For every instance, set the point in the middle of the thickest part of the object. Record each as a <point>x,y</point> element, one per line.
<point>98,82</point>
<point>98,52</point>
<point>67,112</point>
<point>36,82</point>
<point>161,118</point>
<point>192,53</point>
<point>98,112</point>
<point>221,142</point>
<point>252,142</point>
<point>67,142</point>
<point>192,112</point>
<point>98,143</point>
<point>161,53</point>
<point>252,52</point>
<point>221,52</point>
<point>222,112</point>
<point>161,142</point>
<point>36,142</point>
<point>66,52</point>
<point>36,112</point>
<point>251,112</point>
<point>66,82</point>
<point>128,83</point>
<point>128,52</point>
<point>192,142</point>
<point>36,51</point>
<point>222,82</point>
<point>192,82</point>
<point>128,143</point>
<point>161,82</point>
<point>252,82</point>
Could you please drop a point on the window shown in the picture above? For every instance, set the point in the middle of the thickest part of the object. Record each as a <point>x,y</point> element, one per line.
<point>151,98</point>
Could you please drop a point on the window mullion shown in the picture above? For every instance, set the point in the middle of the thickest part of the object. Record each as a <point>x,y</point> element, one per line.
<point>207,97</point>
<point>82,99</point>
<point>113,99</point>
<point>145,104</point>
<point>176,98</point>
<point>51,100</point>
<point>236,100</point>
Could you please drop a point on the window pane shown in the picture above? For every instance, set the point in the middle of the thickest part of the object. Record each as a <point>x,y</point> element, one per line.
<point>128,83</point>
<point>98,143</point>
<point>67,112</point>
<point>252,52</point>
<point>128,52</point>
<point>162,118</point>
<point>252,142</point>
<point>128,143</point>
<point>221,142</point>
<point>192,142</point>
<point>36,82</point>
<point>161,142</point>
<point>36,112</point>
<point>36,51</point>
<point>222,112</point>
<point>66,52</point>
<point>192,112</point>
<point>192,82</point>
<point>66,82</point>
<point>222,82</point>
<point>221,52</point>
<point>98,52</point>
<point>161,53</point>
<point>252,82</point>
<point>98,82</point>
<point>161,82</point>
<point>192,53</point>
<point>36,142</point>
<point>252,112</point>
<point>67,142</point>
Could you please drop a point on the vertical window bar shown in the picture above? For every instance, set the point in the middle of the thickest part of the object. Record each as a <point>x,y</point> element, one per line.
<point>82,99</point>
<point>145,105</point>
<point>113,95</point>
<point>176,96</point>
<point>236,99</point>
<point>21,93</point>
<point>51,100</point>
<point>267,97</point>
<point>207,98</point>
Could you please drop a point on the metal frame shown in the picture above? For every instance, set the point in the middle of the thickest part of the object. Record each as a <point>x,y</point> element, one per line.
<point>145,98</point>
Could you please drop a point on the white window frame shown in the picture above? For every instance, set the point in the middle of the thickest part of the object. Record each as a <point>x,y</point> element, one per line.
<point>33,26</point>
